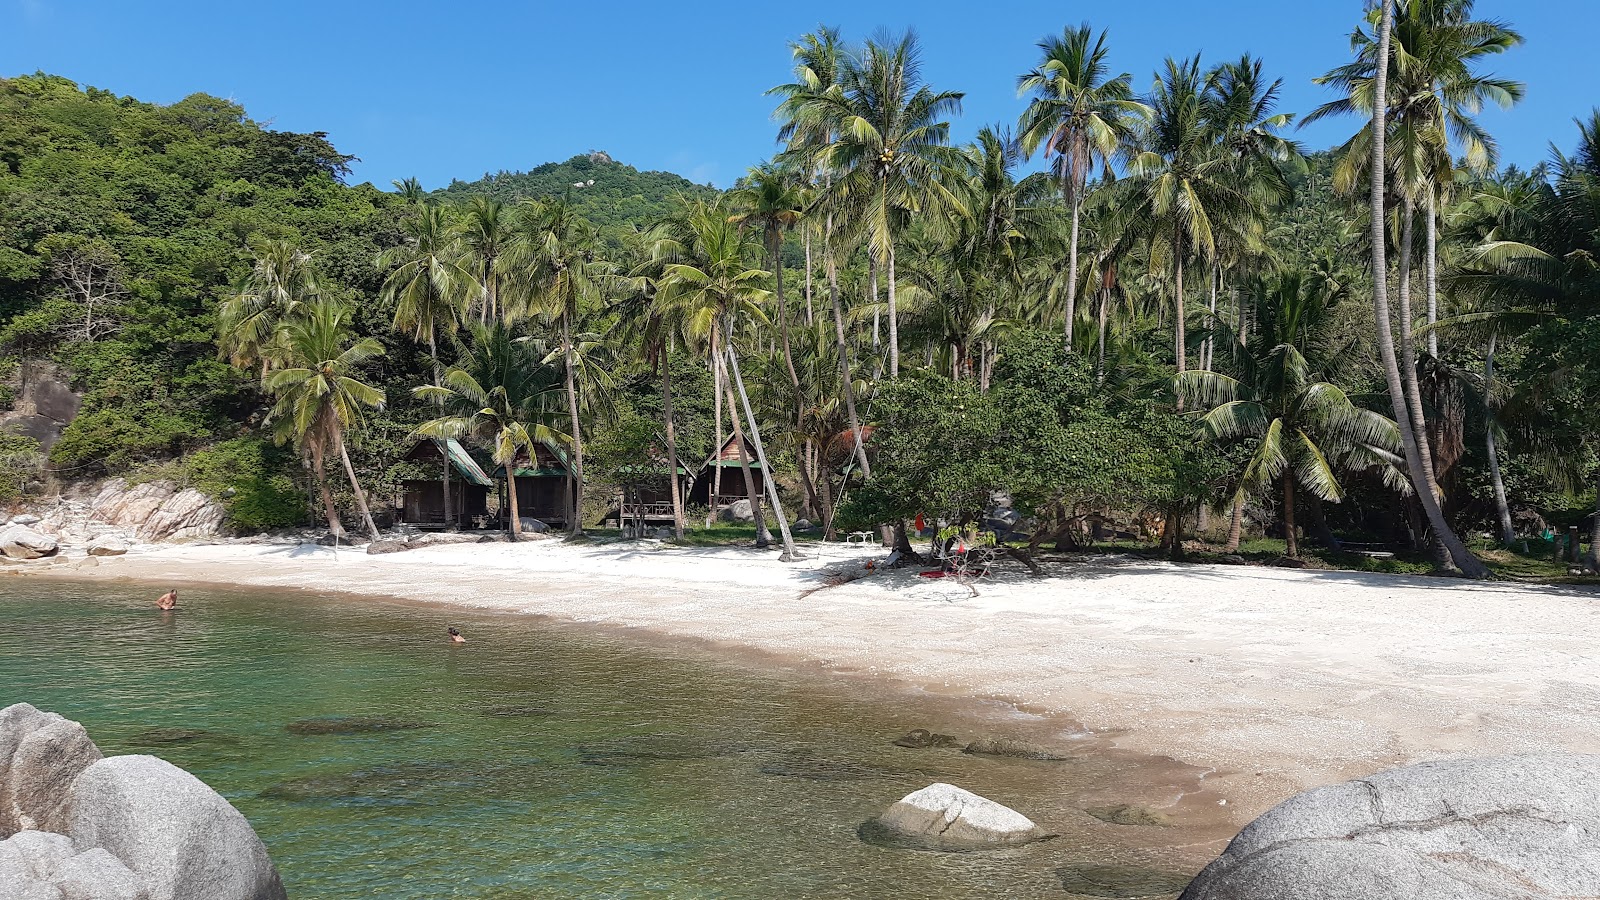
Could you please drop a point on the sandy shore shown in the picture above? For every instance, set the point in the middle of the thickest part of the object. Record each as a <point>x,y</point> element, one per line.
<point>1273,680</point>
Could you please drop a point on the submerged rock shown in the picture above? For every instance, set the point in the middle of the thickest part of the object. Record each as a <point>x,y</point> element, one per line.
<point>353,725</point>
<point>1125,814</point>
<point>159,737</point>
<point>820,769</point>
<point>923,739</point>
<point>656,748</point>
<point>1470,829</point>
<point>945,817</point>
<point>1120,882</point>
<point>181,837</point>
<point>1013,749</point>
<point>40,755</point>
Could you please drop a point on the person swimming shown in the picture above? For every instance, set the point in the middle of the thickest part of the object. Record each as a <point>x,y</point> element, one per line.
<point>168,601</point>
<point>455,635</point>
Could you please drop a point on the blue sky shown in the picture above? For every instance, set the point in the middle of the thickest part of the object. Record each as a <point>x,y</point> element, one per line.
<point>454,90</point>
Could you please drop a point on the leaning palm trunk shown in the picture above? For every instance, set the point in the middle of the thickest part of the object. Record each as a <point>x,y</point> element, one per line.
<point>716,461</point>
<point>844,352</point>
<point>788,355</point>
<point>575,521</point>
<point>1502,509</point>
<point>790,554</point>
<point>672,444</point>
<point>763,535</point>
<point>329,508</point>
<point>355,486</point>
<point>1380,301</point>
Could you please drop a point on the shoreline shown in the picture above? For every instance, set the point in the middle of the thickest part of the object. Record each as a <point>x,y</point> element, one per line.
<point>1258,682</point>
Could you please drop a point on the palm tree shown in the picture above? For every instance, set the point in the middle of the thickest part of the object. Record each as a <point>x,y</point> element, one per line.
<point>1083,117</point>
<point>1187,187</point>
<point>318,397</point>
<point>711,289</point>
<point>889,154</point>
<point>556,256</point>
<point>1372,95</point>
<point>428,285</point>
<point>1303,428</point>
<point>410,190</point>
<point>819,65</point>
<point>500,393</point>
<point>282,281</point>
<point>486,239</point>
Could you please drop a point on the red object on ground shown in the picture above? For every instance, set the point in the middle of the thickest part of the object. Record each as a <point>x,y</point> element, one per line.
<point>934,573</point>
<point>920,524</point>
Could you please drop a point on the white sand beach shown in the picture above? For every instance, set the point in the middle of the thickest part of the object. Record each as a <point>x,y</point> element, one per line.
<point>1269,680</point>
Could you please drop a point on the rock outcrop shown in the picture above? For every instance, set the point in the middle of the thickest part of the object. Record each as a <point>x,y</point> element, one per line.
<point>181,837</point>
<point>78,826</point>
<point>41,754</point>
<point>1493,828</point>
<point>22,542</point>
<point>108,545</point>
<point>945,817</point>
<point>158,510</point>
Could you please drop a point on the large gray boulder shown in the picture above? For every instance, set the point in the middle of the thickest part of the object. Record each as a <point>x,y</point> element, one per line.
<point>182,838</point>
<point>108,545</point>
<point>45,865</point>
<point>1494,828</point>
<point>22,542</point>
<point>738,511</point>
<point>41,754</point>
<point>945,817</point>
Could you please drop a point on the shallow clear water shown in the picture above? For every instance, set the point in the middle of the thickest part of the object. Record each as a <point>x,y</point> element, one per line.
<point>546,762</point>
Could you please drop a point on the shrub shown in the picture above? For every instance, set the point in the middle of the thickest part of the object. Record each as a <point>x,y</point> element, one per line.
<point>252,479</point>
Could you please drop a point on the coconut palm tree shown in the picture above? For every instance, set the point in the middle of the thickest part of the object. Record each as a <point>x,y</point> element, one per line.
<point>427,285</point>
<point>501,394</point>
<point>889,154</point>
<point>1083,117</point>
<point>282,281</point>
<point>1186,186</point>
<point>485,241</point>
<point>1372,95</point>
<point>711,289</point>
<point>1304,429</point>
<point>317,396</point>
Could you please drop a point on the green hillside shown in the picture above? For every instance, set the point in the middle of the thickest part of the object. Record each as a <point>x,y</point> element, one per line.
<point>620,197</point>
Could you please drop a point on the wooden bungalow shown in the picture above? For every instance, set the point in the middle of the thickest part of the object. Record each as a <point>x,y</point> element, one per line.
<point>423,502</point>
<point>706,490</point>
<point>544,488</point>
<point>644,495</point>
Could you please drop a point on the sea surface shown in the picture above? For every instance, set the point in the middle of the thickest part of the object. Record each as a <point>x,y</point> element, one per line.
<point>376,759</point>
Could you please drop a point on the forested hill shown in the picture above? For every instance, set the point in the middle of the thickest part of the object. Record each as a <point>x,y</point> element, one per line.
<point>621,196</point>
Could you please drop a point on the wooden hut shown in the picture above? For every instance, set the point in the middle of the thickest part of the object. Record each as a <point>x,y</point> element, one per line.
<point>423,503</point>
<point>544,488</point>
<point>644,494</point>
<point>706,490</point>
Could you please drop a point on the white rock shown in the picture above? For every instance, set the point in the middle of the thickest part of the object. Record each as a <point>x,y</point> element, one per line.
<point>108,546</point>
<point>41,754</point>
<point>172,830</point>
<point>945,817</point>
<point>22,542</point>
<point>24,519</point>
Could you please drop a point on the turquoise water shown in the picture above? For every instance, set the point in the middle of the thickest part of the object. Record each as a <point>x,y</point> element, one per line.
<point>533,761</point>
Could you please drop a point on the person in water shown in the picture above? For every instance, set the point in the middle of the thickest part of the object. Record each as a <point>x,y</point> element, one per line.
<point>455,636</point>
<point>168,601</point>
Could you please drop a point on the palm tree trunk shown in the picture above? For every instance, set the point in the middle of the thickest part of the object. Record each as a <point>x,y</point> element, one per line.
<point>1180,339</point>
<point>810,318</point>
<point>1408,350</point>
<point>1432,265</point>
<point>1211,326</point>
<point>575,523</point>
<point>894,321</point>
<point>716,459</point>
<point>1380,300</point>
<point>783,315</point>
<point>355,486</point>
<point>1291,540</point>
<point>763,535</point>
<point>329,508</point>
<point>877,319</point>
<point>438,379</point>
<point>1502,509</point>
<point>1105,315</point>
<point>1072,270</point>
<point>832,265</point>
<point>672,444</point>
<point>1235,524</point>
<point>790,554</point>
<point>511,498</point>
